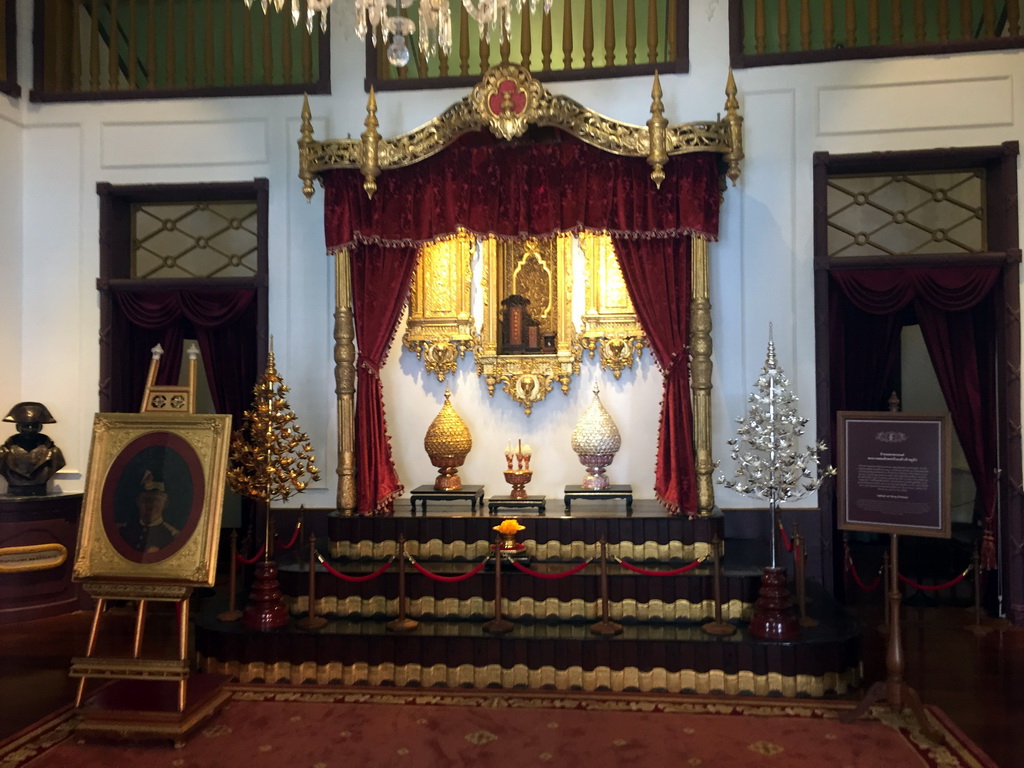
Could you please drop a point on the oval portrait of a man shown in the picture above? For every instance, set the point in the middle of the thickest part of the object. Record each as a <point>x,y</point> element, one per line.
<point>153,497</point>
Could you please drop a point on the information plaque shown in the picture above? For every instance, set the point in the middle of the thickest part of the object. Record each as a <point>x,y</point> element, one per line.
<point>894,472</point>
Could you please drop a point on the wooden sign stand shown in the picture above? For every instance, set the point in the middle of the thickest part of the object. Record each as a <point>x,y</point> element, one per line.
<point>895,689</point>
<point>894,477</point>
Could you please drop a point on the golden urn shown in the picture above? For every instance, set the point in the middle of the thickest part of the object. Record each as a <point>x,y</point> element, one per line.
<point>596,440</point>
<point>447,442</point>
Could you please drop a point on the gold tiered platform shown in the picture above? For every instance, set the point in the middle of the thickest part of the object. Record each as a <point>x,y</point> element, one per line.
<point>661,647</point>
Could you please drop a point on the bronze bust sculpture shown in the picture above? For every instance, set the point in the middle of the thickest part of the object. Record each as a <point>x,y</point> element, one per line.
<point>29,459</point>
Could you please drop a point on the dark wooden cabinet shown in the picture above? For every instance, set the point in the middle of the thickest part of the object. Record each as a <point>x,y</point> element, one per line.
<point>38,536</point>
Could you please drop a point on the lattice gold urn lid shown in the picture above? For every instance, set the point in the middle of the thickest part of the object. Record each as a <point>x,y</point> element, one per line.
<point>448,434</point>
<point>596,434</point>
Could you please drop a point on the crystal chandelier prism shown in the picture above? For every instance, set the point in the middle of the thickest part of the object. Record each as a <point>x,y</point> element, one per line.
<point>386,24</point>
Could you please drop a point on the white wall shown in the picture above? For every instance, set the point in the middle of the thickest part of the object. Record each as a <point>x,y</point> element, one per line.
<point>10,251</point>
<point>761,268</point>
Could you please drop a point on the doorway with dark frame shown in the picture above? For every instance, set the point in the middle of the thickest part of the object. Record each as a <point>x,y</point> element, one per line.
<point>916,284</point>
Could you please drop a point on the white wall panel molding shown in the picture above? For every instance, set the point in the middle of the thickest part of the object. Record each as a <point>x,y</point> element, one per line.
<point>55,329</point>
<point>187,143</point>
<point>916,106</point>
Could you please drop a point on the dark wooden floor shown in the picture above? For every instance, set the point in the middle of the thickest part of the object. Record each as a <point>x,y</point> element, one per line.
<point>978,680</point>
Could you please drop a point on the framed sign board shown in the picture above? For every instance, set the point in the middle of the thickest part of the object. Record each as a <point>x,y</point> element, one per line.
<point>153,497</point>
<point>894,472</point>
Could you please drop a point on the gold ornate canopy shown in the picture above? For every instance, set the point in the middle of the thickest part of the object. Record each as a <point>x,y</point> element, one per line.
<point>507,101</point>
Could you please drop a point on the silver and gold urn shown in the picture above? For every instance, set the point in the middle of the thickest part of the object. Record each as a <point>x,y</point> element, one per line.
<point>596,440</point>
<point>447,442</point>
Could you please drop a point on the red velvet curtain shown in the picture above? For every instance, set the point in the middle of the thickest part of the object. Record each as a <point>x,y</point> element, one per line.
<point>380,285</point>
<point>955,309</point>
<point>222,322</point>
<point>552,184</point>
<point>657,275</point>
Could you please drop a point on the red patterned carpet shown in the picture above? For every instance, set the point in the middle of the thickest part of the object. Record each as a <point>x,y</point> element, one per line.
<point>292,727</point>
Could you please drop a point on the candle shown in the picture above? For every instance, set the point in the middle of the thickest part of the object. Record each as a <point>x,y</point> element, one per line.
<point>526,451</point>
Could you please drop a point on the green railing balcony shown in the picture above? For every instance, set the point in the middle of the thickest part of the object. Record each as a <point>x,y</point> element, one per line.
<point>769,32</point>
<point>578,40</point>
<point>8,50</point>
<point>115,49</point>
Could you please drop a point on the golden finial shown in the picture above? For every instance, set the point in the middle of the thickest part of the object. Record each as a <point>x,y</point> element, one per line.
<point>305,144</point>
<point>657,155</point>
<point>370,165</point>
<point>735,122</point>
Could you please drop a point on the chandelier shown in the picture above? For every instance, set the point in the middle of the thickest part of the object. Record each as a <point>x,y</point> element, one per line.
<point>384,21</point>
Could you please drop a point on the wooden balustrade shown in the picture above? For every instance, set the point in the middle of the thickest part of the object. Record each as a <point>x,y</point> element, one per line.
<point>764,32</point>
<point>93,49</point>
<point>595,38</point>
<point>8,50</point>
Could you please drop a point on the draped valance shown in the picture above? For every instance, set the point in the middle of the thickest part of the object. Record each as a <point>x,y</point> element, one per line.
<point>523,190</point>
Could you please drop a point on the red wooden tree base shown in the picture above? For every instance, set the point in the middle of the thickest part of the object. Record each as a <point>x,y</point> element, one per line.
<point>266,609</point>
<point>773,617</point>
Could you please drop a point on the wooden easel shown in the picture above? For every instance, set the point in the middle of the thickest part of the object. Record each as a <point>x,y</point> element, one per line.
<point>895,689</point>
<point>139,701</point>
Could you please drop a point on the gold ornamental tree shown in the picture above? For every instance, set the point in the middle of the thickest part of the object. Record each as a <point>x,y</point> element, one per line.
<point>271,459</point>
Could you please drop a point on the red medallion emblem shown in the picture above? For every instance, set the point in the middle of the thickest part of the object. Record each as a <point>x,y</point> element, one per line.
<point>507,99</point>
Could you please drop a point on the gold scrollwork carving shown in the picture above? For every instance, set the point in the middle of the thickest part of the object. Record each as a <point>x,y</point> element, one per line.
<point>527,342</point>
<point>441,329</point>
<point>507,101</point>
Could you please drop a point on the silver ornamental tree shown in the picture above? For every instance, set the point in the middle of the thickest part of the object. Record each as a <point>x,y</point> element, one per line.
<point>768,460</point>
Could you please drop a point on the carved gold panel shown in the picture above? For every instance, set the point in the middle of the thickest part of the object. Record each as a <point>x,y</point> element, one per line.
<point>441,329</point>
<point>608,318</point>
<point>527,340</point>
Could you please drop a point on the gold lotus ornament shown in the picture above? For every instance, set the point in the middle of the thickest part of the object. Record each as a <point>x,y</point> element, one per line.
<point>447,442</point>
<point>596,440</point>
<point>508,529</point>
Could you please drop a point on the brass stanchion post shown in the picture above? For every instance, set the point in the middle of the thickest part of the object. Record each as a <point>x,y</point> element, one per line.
<point>605,626</point>
<point>311,620</point>
<point>978,628</point>
<point>498,625</point>
<point>717,626</point>
<point>232,613</point>
<point>403,623</point>
<point>887,622</point>
<point>800,570</point>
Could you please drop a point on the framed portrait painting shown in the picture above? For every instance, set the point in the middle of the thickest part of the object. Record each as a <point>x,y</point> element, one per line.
<point>154,494</point>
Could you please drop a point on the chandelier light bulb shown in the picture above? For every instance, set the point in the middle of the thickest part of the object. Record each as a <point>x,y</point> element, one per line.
<point>435,21</point>
<point>398,52</point>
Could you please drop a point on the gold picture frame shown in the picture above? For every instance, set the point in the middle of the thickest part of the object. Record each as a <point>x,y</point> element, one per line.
<point>609,320</point>
<point>440,329</point>
<point>528,370</point>
<point>154,495</point>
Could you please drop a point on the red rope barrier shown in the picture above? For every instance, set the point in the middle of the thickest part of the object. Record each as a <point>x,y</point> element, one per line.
<point>786,541</point>
<point>935,587</point>
<point>256,557</point>
<point>346,577</point>
<point>435,577</point>
<point>856,577</point>
<point>645,572</point>
<point>295,537</point>
<point>539,575</point>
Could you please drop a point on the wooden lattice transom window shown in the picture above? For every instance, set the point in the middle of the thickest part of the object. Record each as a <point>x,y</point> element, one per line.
<point>212,239</point>
<point>907,214</point>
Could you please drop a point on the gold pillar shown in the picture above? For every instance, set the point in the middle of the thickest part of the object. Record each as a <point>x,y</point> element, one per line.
<point>700,373</point>
<point>345,380</point>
